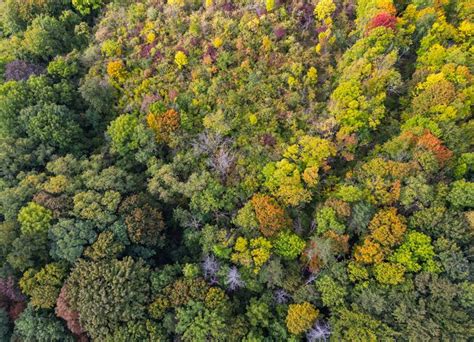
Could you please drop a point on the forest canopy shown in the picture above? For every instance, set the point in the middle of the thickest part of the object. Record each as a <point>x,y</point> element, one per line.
<point>251,170</point>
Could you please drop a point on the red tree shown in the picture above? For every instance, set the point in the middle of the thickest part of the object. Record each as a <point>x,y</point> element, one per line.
<point>383,19</point>
<point>65,312</point>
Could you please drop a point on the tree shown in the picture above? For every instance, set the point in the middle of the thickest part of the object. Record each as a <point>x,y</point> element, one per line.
<point>354,325</point>
<point>327,220</point>
<point>105,247</point>
<point>270,216</point>
<point>144,223</point>
<point>35,220</point>
<point>253,254</point>
<point>389,273</point>
<point>88,6</point>
<point>301,163</point>
<point>128,135</point>
<point>52,124</point>
<point>4,326</point>
<point>324,9</point>
<point>64,311</point>
<point>43,286</point>
<point>300,317</point>
<point>28,251</point>
<point>246,218</point>
<point>387,228</point>
<point>180,59</point>
<point>196,322</point>
<point>39,325</point>
<point>19,70</point>
<point>100,208</point>
<point>357,103</point>
<point>288,245</point>
<point>332,293</point>
<point>370,252</point>
<point>70,237</point>
<point>383,19</point>
<point>108,293</point>
<point>416,253</point>
<point>163,124</point>
<point>46,37</point>
<point>19,14</point>
<point>116,70</point>
<point>462,194</point>
<point>64,67</point>
<point>258,313</point>
<point>283,179</point>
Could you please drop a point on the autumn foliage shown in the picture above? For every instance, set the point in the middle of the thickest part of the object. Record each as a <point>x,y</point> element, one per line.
<point>386,230</point>
<point>163,124</point>
<point>270,216</point>
<point>220,170</point>
<point>300,317</point>
<point>384,19</point>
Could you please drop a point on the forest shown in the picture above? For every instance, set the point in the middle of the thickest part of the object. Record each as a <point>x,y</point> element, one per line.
<point>236,170</point>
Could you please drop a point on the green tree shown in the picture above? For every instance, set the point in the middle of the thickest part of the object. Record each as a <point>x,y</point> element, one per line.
<point>332,293</point>
<point>33,325</point>
<point>108,293</point>
<point>288,245</point>
<point>88,6</point>
<point>35,219</point>
<point>100,208</point>
<point>125,134</point>
<point>416,253</point>
<point>462,194</point>
<point>5,330</point>
<point>70,237</point>
<point>43,286</point>
<point>258,313</point>
<point>52,124</point>
<point>353,325</point>
<point>197,323</point>
<point>46,37</point>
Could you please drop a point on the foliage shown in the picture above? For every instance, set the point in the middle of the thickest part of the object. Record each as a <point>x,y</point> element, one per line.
<point>388,273</point>
<point>288,245</point>
<point>40,326</point>
<point>163,124</point>
<point>87,6</point>
<point>43,286</point>
<point>270,216</point>
<point>416,253</point>
<point>357,326</point>
<point>51,124</point>
<point>64,311</point>
<point>69,238</point>
<point>102,309</point>
<point>236,171</point>
<point>332,293</point>
<point>300,317</point>
<point>254,253</point>
<point>34,219</point>
<point>181,59</point>
<point>19,70</point>
<point>4,325</point>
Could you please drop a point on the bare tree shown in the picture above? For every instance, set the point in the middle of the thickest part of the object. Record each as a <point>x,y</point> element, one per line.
<point>233,280</point>
<point>319,332</point>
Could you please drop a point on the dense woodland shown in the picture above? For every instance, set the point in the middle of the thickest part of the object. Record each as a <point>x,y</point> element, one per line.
<point>216,170</point>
